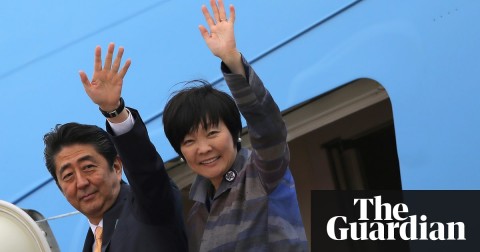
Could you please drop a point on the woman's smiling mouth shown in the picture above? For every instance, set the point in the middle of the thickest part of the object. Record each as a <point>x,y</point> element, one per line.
<point>210,160</point>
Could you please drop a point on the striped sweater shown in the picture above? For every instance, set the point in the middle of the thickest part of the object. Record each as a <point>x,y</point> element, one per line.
<point>258,210</point>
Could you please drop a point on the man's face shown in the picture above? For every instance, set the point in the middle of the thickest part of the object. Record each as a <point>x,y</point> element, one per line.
<point>87,181</point>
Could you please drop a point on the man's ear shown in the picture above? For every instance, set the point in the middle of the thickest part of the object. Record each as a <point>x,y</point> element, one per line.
<point>117,167</point>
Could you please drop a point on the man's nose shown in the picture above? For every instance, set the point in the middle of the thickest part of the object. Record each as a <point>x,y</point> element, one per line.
<point>82,180</point>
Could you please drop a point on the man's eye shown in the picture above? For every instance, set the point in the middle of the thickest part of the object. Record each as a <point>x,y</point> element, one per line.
<point>88,167</point>
<point>67,176</point>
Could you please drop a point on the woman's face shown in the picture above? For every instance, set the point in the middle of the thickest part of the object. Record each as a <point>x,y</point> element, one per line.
<point>210,152</point>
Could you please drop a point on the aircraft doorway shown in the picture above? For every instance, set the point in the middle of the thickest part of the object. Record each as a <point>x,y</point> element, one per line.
<point>343,140</point>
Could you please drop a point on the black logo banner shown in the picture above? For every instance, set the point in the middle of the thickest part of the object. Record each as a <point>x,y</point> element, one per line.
<point>403,221</point>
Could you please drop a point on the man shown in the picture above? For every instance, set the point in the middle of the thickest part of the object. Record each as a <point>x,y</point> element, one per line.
<point>144,215</point>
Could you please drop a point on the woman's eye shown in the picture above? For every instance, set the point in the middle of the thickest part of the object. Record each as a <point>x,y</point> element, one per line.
<point>213,133</point>
<point>187,142</point>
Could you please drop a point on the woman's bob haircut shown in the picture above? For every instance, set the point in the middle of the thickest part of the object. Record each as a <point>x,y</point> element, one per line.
<point>199,104</point>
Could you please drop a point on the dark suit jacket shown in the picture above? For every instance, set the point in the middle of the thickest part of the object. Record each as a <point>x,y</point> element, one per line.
<point>147,215</point>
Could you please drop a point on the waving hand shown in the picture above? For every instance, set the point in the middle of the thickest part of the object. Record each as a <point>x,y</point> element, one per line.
<point>105,88</point>
<point>221,39</point>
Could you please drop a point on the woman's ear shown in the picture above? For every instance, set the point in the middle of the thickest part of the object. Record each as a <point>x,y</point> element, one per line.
<point>239,143</point>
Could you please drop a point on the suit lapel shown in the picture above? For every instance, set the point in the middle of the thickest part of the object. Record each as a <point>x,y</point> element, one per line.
<point>111,217</point>
<point>87,246</point>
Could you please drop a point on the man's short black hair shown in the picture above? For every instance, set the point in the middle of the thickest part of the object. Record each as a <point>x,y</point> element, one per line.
<point>74,133</point>
<point>199,104</point>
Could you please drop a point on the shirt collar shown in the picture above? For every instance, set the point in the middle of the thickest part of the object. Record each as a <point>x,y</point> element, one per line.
<point>93,226</point>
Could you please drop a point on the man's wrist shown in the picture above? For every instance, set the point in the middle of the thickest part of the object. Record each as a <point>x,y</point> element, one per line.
<point>115,112</point>
<point>122,123</point>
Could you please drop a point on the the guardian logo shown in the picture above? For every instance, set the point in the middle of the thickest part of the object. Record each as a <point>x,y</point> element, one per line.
<point>391,223</point>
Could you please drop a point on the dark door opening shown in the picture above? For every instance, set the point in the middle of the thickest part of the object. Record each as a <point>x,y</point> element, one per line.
<point>368,161</point>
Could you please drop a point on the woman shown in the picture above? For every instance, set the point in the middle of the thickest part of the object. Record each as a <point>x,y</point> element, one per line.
<point>245,200</point>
